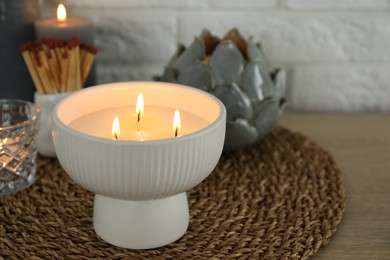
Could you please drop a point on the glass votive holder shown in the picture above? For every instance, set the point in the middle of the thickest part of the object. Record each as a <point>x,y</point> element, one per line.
<point>18,150</point>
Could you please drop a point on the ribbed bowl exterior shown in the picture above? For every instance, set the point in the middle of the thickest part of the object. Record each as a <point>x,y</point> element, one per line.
<point>139,170</point>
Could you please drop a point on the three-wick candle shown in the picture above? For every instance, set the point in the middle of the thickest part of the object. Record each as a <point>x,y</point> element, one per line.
<point>140,124</point>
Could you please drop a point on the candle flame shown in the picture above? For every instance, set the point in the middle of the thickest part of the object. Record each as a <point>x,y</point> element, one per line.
<point>176,123</point>
<point>116,129</point>
<point>61,13</point>
<point>139,110</point>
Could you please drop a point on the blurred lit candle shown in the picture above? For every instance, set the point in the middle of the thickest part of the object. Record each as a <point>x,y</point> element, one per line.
<point>64,28</point>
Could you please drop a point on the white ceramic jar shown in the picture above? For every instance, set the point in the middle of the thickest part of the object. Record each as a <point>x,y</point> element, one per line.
<point>44,140</point>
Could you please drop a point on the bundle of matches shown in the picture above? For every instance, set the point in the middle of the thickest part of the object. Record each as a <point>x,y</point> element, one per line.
<point>58,66</point>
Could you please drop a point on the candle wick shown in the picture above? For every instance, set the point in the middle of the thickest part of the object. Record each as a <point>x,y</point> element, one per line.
<point>116,136</point>
<point>139,116</point>
<point>176,130</point>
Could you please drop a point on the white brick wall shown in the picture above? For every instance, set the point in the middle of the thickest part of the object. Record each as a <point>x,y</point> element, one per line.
<point>337,52</point>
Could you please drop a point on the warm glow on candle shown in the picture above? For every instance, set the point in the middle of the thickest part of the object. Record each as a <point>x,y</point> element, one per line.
<point>61,13</point>
<point>116,129</point>
<point>176,123</point>
<point>139,110</point>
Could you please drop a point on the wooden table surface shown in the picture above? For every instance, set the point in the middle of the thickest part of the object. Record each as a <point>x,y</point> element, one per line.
<point>360,145</point>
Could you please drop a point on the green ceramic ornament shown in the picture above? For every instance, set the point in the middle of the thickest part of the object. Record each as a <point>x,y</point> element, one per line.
<point>237,72</point>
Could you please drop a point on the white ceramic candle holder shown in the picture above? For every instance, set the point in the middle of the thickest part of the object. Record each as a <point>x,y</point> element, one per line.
<point>140,187</point>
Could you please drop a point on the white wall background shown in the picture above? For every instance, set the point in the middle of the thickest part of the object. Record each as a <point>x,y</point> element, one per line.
<point>337,52</point>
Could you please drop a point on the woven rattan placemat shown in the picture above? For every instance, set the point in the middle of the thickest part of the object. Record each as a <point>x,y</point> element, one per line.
<point>281,199</point>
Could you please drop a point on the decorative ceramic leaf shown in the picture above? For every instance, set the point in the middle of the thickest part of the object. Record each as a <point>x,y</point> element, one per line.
<point>280,81</point>
<point>236,102</point>
<point>268,85</point>
<point>197,75</point>
<point>235,36</point>
<point>168,75</point>
<point>240,134</point>
<point>255,53</point>
<point>256,83</point>
<point>227,63</point>
<point>189,56</point>
<point>180,49</point>
<point>267,116</point>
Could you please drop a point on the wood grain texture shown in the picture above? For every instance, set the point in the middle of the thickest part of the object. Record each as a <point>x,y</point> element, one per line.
<point>360,145</point>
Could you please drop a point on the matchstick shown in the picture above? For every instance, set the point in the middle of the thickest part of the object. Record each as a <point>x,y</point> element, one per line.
<point>88,61</point>
<point>31,68</point>
<point>58,66</point>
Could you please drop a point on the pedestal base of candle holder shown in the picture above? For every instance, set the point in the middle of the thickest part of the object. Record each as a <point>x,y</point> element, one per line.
<point>141,224</point>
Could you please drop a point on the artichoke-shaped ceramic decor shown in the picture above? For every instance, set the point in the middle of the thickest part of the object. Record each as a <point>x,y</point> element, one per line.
<point>237,72</point>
